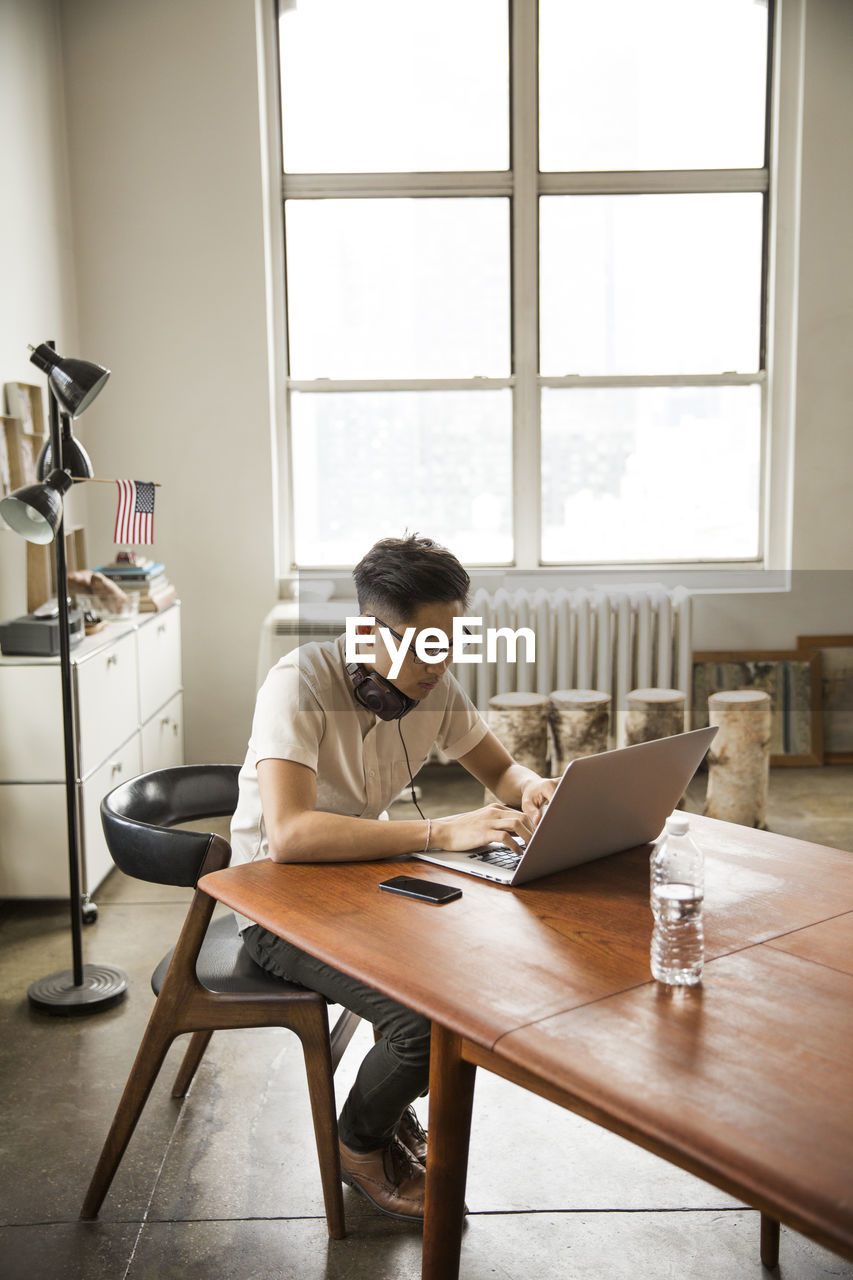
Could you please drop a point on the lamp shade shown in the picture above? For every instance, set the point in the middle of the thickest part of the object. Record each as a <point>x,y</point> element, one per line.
<point>35,511</point>
<point>75,459</point>
<point>75,383</point>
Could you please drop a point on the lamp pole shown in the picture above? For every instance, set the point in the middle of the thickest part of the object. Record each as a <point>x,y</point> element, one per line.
<point>67,727</point>
<point>84,988</point>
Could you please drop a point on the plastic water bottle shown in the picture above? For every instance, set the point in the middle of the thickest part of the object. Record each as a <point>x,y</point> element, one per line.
<point>677,897</point>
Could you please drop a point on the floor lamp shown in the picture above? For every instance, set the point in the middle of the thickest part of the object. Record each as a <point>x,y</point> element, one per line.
<point>36,513</point>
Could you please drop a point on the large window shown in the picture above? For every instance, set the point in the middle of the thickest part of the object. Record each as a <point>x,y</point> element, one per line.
<point>525,249</point>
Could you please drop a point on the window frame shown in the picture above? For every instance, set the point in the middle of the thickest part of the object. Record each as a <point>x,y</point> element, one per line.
<point>778,182</point>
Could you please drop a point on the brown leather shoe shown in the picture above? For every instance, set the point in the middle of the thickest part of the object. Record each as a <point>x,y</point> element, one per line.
<point>412,1135</point>
<point>390,1178</point>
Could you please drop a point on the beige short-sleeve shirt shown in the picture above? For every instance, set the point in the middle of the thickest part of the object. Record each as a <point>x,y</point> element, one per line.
<point>306,712</point>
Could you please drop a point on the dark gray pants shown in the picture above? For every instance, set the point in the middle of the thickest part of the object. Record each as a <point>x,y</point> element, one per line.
<point>394,1072</point>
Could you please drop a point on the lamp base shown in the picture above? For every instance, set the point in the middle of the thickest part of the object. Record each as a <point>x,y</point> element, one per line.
<point>103,986</point>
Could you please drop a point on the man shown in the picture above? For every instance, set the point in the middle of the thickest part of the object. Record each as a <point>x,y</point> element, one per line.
<point>332,745</point>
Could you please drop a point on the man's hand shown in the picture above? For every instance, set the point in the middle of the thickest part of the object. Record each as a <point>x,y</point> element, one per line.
<point>495,822</point>
<point>535,796</point>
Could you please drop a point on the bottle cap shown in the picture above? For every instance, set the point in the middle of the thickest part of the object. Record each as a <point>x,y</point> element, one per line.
<point>677,824</point>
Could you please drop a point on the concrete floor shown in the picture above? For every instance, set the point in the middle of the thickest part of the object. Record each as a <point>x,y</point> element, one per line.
<point>225,1185</point>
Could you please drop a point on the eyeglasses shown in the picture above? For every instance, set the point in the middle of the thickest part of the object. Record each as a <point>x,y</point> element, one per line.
<point>435,655</point>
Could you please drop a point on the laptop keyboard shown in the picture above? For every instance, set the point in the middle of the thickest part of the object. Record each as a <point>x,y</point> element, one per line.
<point>498,855</point>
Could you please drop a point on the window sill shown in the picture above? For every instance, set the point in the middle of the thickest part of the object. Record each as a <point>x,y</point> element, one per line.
<point>313,587</point>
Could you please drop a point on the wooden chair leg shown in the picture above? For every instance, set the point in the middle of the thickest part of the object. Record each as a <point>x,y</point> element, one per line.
<point>341,1034</point>
<point>318,1067</point>
<point>193,1056</point>
<point>149,1059</point>
<point>769,1241</point>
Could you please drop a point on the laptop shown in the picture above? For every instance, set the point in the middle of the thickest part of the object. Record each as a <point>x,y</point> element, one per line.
<point>603,804</point>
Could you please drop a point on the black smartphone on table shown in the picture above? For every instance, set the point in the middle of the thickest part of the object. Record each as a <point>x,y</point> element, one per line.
<point>423,890</point>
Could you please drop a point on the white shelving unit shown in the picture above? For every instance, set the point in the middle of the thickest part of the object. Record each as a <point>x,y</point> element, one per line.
<point>127,687</point>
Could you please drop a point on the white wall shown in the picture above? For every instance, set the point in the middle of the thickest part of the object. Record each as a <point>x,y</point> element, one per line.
<point>163,121</point>
<point>168,204</point>
<point>37,291</point>
<point>823,518</point>
<point>820,601</point>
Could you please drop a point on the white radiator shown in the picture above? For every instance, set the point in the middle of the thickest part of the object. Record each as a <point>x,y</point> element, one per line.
<point>610,639</point>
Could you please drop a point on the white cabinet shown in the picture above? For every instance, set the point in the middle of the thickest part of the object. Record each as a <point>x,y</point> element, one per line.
<point>106,698</point>
<point>126,685</point>
<point>123,763</point>
<point>162,736</point>
<point>159,649</point>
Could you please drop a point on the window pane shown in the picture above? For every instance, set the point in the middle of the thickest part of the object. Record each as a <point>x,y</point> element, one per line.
<point>370,465</point>
<point>662,84</point>
<point>398,288</point>
<point>394,85</point>
<point>650,473</point>
<point>650,284</point>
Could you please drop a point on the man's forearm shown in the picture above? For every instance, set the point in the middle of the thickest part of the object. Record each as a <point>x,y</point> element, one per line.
<point>511,783</point>
<point>316,836</point>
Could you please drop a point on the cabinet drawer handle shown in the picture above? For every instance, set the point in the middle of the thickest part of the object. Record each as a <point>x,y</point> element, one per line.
<point>165,722</point>
<point>161,630</point>
<point>118,767</point>
<point>112,660</point>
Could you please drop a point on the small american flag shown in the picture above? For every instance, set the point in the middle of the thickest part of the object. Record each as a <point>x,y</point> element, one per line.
<point>135,516</point>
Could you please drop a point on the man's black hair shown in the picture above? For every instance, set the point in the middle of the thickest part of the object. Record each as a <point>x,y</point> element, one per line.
<point>399,574</point>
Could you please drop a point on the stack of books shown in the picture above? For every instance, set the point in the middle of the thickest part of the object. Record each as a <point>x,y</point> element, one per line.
<point>146,579</point>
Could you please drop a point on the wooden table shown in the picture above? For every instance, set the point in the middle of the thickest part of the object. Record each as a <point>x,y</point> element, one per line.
<point>746,1081</point>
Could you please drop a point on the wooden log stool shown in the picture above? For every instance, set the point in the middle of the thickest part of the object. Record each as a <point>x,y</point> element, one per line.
<point>520,722</point>
<point>580,725</point>
<point>739,758</point>
<point>653,713</point>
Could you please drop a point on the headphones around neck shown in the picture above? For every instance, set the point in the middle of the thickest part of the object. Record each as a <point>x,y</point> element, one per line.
<point>378,694</point>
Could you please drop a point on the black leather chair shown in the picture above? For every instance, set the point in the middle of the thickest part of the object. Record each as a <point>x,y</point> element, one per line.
<point>208,982</point>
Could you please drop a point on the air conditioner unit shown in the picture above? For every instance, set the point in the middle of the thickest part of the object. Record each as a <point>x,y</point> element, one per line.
<point>291,623</point>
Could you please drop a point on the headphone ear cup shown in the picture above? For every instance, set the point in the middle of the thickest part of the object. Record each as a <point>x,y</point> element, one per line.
<point>378,694</point>
<point>372,698</point>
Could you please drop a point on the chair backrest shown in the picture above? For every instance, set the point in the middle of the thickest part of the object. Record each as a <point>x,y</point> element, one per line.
<point>139,815</point>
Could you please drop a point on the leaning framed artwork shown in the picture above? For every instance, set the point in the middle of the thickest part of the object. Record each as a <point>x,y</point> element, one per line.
<point>792,678</point>
<point>21,451</point>
<point>836,662</point>
<point>24,402</point>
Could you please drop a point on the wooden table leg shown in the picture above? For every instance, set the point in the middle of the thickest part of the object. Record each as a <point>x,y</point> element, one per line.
<point>769,1241</point>
<point>451,1094</point>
